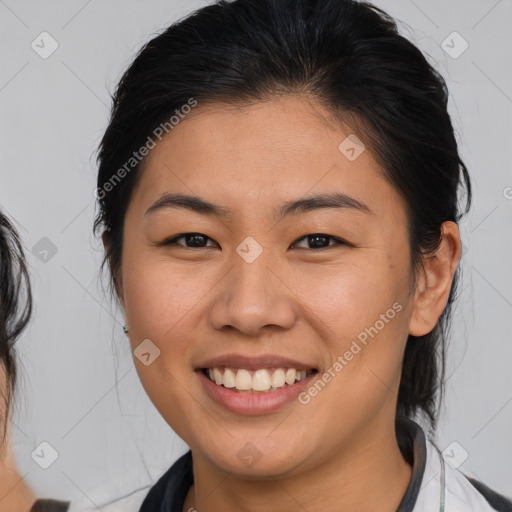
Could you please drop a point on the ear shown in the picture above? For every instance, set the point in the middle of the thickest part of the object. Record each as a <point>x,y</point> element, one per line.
<point>433,286</point>
<point>118,285</point>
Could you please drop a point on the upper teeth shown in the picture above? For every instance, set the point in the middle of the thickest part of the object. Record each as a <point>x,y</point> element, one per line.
<point>257,380</point>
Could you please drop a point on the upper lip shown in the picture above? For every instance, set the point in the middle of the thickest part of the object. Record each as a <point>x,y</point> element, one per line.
<point>254,362</point>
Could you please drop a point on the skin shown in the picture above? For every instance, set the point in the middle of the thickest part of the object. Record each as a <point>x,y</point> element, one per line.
<point>15,495</point>
<point>294,300</point>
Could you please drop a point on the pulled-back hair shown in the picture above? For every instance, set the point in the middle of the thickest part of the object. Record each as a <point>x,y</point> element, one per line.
<point>350,57</point>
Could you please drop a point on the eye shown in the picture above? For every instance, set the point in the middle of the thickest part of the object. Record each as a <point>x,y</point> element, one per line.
<point>319,241</point>
<point>199,240</point>
<point>192,240</point>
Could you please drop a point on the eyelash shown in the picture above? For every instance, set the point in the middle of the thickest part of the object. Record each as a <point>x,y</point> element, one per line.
<point>339,241</point>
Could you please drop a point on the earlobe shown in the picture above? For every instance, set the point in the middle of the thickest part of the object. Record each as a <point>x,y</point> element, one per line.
<point>434,284</point>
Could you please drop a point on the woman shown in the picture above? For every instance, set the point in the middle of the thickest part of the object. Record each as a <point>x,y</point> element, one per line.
<point>15,311</point>
<point>278,191</point>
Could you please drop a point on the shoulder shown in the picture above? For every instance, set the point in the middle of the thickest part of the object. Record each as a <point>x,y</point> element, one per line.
<point>437,484</point>
<point>128,492</point>
<point>122,494</point>
<point>47,505</point>
<point>458,492</point>
<point>467,494</point>
<point>497,501</point>
<point>128,503</point>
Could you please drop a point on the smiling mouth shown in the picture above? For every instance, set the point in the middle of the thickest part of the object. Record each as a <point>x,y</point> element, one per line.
<point>264,380</point>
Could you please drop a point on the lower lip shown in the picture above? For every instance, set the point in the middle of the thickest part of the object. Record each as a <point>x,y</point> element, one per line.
<point>253,403</point>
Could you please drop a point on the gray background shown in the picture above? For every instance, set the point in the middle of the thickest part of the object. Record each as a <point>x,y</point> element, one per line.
<point>79,390</point>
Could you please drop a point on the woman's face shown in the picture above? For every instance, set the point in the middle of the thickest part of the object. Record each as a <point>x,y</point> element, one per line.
<point>254,290</point>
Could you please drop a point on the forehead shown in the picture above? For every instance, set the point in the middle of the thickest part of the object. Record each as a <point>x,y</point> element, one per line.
<point>268,151</point>
<point>290,126</point>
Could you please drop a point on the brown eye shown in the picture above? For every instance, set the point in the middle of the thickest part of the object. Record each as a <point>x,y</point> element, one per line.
<point>192,240</point>
<point>319,241</point>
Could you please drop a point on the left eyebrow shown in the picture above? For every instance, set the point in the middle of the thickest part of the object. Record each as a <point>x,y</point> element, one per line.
<point>334,200</point>
<point>303,205</point>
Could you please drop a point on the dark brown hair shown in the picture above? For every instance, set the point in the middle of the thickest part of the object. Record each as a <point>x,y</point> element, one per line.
<point>348,55</point>
<point>15,307</point>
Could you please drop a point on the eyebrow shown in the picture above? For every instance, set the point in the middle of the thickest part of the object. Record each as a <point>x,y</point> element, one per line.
<point>303,205</point>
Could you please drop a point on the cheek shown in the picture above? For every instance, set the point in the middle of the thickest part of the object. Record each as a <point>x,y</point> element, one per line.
<point>160,304</point>
<point>364,313</point>
<point>362,308</point>
<point>351,296</point>
<point>158,296</point>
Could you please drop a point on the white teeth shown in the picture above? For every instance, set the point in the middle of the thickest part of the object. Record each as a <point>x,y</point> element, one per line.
<point>243,380</point>
<point>228,379</point>
<point>290,375</point>
<point>262,380</point>
<point>217,376</point>
<point>278,378</point>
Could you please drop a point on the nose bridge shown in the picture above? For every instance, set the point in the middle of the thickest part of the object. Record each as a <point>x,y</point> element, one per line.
<point>251,295</point>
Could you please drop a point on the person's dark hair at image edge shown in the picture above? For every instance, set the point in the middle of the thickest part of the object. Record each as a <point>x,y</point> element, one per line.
<point>15,308</point>
<point>346,55</point>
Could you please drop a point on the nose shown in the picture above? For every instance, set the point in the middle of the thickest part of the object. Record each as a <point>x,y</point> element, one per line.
<point>253,297</point>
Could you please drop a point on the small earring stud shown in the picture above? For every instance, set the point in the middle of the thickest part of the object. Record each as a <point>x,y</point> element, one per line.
<point>126,328</point>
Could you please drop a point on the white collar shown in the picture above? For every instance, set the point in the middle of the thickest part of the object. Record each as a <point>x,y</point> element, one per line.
<point>446,489</point>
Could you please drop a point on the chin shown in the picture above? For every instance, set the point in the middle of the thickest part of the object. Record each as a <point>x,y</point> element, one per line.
<point>254,460</point>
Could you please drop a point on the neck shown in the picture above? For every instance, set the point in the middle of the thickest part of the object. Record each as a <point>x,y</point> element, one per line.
<point>371,474</point>
<point>15,495</point>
